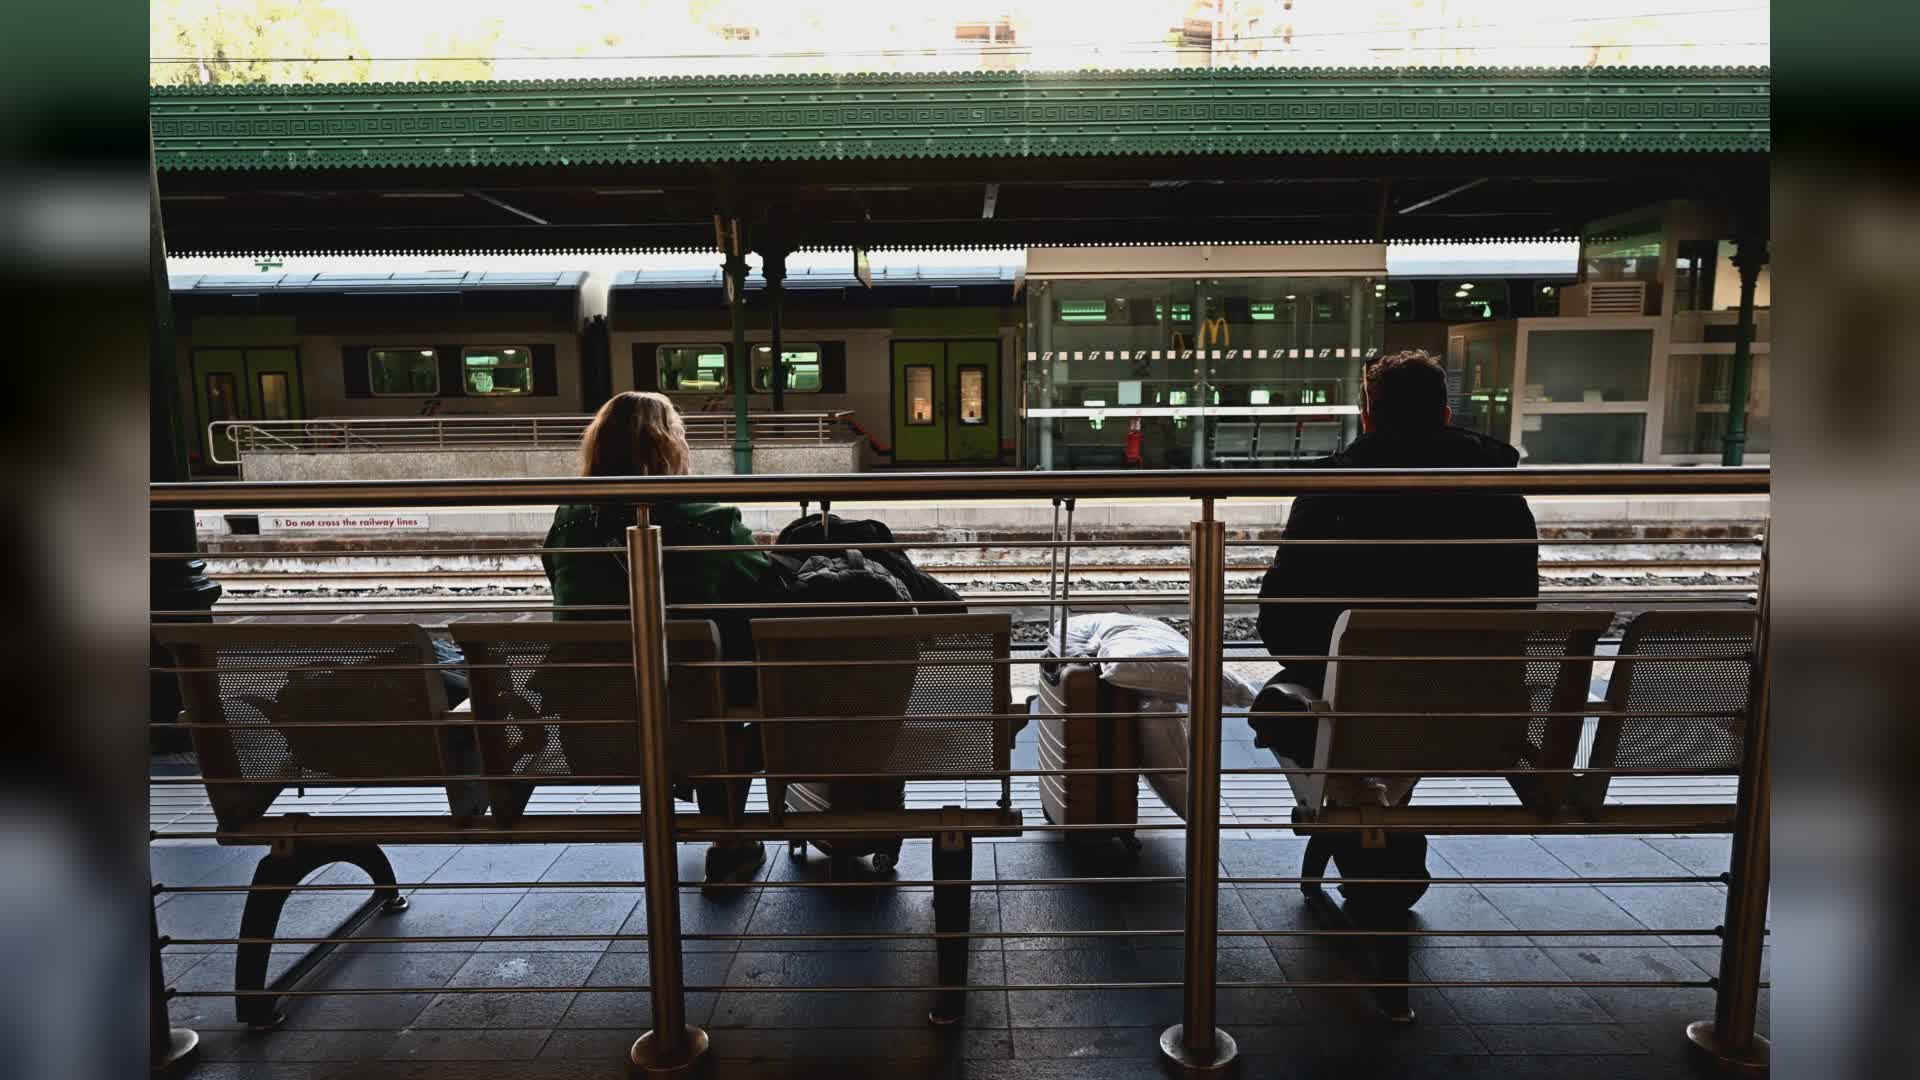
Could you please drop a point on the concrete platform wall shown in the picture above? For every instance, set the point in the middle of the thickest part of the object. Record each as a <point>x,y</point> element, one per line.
<point>466,464</point>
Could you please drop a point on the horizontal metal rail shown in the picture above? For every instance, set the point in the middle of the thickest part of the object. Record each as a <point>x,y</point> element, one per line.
<point>995,883</point>
<point>495,431</point>
<point>894,487</point>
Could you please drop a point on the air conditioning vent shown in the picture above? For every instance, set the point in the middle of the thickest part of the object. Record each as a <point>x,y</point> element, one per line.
<point>1604,298</point>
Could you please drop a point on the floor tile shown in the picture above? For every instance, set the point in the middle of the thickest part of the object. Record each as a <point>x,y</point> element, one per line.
<point>508,1009</point>
<point>507,866</point>
<point>1493,1005</point>
<point>1557,1039</point>
<point>494,1045</point>
<point>1648,963</point>
<point>566,913</point>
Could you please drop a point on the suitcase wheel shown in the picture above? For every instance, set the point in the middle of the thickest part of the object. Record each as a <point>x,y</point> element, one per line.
<point>884,862</point>
<point>797,850</point>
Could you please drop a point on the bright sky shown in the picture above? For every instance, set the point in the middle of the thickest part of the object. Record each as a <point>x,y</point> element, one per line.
<point>613,38</point>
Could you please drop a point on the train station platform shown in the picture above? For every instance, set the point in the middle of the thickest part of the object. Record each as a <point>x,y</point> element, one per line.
<point>1064,1034</point>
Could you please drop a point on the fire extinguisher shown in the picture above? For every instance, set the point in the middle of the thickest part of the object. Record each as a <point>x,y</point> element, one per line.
<point>1133,443</point>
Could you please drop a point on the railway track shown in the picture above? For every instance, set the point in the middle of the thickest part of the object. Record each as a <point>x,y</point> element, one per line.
<point>1023,589</point>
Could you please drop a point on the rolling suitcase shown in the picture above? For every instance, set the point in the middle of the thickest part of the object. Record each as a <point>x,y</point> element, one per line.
<point>1068,742</point>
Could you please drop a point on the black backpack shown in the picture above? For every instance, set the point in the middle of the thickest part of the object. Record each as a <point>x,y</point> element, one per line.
<point>847,578</point>
<point>930,596</point>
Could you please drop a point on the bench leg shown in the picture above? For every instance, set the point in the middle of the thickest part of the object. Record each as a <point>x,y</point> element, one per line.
<point>261,919</point>
<point>1390,962</point>
<point>952,909</point>
<point>1314,863</point>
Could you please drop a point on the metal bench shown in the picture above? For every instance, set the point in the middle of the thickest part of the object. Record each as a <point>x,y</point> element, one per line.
<point>556,700</point>
<point>273,706</point>
<point>1521,719</point>
<point>938,694</point>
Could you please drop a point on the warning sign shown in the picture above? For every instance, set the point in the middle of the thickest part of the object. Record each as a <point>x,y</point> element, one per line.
<point>375,522</point>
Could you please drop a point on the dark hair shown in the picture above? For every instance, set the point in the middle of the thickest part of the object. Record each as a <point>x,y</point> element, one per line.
<point>637,433</point>
<point>1406,391</point>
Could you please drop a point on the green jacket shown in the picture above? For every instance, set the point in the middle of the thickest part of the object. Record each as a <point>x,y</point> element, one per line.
<point>711,577</point>
<point>699,577</point>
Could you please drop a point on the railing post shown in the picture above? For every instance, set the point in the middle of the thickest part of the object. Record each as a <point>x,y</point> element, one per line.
<point>1194,1047</point>
<point>171,1050</point>
<point>1728,1041</point>
<point>673,1047</point>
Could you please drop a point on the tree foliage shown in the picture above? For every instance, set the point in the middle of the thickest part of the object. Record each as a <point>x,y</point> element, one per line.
<point>206,42</point>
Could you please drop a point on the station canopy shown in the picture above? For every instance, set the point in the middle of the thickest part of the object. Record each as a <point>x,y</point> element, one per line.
<point>961,160</point>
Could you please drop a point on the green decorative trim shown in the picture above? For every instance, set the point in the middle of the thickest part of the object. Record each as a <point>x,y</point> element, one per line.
<point>980,115</point>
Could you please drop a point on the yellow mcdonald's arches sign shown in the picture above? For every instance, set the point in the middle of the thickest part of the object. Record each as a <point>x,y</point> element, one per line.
<point>1212,332</point>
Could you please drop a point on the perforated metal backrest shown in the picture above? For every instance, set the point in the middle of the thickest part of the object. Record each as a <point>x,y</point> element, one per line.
<point>1718,689</point>
<point>581,673</point>
<point>1461,733</point>
<point>935,666</point>
<point>258,687</point>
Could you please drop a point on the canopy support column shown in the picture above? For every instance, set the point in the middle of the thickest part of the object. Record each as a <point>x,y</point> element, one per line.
<point>1750,257</point>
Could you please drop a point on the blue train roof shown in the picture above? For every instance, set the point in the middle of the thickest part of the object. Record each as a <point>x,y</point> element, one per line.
<point>377,282</point>
<point>810,278</point>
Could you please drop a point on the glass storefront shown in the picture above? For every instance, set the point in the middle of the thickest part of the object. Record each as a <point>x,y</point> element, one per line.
<point>1699,388</point>
<point>1174,373</point>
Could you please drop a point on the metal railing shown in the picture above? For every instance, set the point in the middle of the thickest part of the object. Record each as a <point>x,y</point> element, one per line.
<point>1195,1043</point>
<point>370,435</point>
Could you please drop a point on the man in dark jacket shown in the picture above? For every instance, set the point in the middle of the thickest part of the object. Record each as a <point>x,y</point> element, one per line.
<point>1405,421</point>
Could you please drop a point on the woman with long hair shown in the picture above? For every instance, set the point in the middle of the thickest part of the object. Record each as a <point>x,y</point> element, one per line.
<point>641,434</point>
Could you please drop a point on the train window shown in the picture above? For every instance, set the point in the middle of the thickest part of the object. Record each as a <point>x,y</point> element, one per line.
<point>495,369</point>
<point>693,369</point>
<point>973,395</point>
<point>1461,301</point>
<point>802,366</point>
<point>1397,298</point>
<point>221,400</point>
<point>403,372</point>
<point>919,395</point>
<point>274,403</point>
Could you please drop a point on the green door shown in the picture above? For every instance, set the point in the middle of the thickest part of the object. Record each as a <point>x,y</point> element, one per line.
<point>973,381</point>
<point>243,384</point>
<point>919,401</point>
<point>946,400</point>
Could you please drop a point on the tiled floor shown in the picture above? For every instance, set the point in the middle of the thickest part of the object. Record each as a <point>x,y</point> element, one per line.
<point>589,1002</point>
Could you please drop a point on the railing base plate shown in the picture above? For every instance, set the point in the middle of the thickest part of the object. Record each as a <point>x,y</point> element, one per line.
<point>1708,1050</point>
<point>183,1047</point>
<point>691,1056</point>
<point>1184,1062</point>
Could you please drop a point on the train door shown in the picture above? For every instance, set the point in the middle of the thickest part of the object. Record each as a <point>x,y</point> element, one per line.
<point>945,400</point>
<point>919,403</point>
<point>243,384</point>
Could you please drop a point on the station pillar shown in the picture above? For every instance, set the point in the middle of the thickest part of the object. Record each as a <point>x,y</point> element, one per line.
<point>1748,260</point>
<point>177,584</point>
<point>735,269</point>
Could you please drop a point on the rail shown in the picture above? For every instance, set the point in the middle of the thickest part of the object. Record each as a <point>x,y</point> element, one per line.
<point>441,433</point>
<point>1210,975</point>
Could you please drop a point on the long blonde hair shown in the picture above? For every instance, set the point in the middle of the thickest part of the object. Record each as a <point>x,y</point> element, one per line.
<point>637,433</point>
